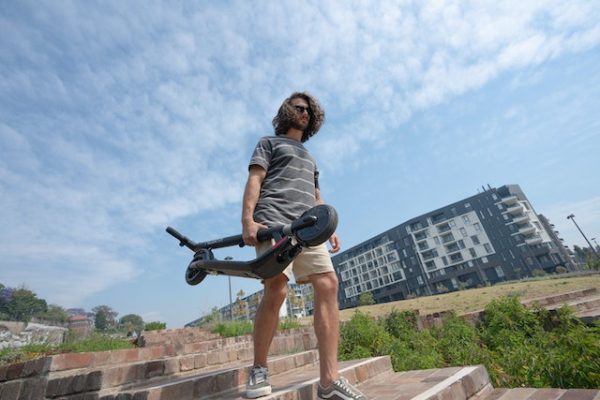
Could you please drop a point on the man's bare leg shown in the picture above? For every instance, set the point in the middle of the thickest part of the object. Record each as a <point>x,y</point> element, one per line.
<point>326,320</point>
<point>267,317</point>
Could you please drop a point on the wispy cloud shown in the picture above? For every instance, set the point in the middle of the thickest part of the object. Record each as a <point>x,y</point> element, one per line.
<point>121,117</point>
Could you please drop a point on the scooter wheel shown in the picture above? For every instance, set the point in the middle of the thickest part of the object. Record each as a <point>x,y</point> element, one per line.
<point>194,276</point>
<point>327,221</point>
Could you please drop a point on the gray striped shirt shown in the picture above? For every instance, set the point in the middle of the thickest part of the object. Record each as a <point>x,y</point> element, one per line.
<point>289,186</point>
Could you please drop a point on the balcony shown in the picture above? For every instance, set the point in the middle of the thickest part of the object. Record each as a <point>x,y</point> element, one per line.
<point>443,228</point>
<point>509,200</point>
<point>527,230</point>
<point>534,240</point>
<point>521,220</point>
<point>515,209</point>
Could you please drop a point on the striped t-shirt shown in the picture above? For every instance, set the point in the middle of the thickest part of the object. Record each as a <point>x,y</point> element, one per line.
<point>289,186</point>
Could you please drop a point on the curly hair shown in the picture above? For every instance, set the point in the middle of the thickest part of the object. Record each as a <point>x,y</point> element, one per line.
<point>284,119</point>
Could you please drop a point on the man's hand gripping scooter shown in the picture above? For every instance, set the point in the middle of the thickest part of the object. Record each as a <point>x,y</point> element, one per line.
<point>313,228</point>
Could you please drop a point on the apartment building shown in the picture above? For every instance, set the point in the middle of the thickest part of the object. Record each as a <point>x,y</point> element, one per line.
<point>493,236</point>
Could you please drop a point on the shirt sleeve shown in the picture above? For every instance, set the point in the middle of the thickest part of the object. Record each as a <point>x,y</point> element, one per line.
<point>262,154</point>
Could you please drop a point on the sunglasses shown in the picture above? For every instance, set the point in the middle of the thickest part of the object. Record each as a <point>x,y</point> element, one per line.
<point>301,109</point>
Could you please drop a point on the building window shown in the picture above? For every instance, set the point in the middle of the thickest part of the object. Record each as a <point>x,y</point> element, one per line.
<point>430,264</point>
<point>452,223</point>
<point>473,253</point>
<point>436,240</point>
<point>500,272</point>
<point>466,219</point>
<point>487,247</point>
<point>463,232</point>
<point>477,226</point>
<point>420,280</point>
<point>484,260</point>
<point>467,205</point>
<point>475,239</point>
<point>445,260</point>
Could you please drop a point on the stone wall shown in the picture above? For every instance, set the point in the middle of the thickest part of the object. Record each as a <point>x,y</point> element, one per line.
<point>17,334</point>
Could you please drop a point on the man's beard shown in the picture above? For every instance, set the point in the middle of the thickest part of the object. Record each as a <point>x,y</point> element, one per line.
<point>299,125</point>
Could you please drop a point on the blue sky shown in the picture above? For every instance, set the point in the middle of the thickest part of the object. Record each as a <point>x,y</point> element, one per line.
<point>120,118</point>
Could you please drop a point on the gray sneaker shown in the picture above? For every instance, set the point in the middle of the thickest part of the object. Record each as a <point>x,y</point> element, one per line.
<point>340,390</point>
<point>258,384</point>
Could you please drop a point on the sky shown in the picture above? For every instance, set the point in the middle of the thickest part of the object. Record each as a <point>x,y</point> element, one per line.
<point>118,119</point>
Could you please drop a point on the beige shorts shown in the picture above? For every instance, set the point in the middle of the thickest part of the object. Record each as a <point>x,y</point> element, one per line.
<point>312,260</point>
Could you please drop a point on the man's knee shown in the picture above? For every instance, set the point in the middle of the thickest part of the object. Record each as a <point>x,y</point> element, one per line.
<point>325,283</point>
<point>275,290</point>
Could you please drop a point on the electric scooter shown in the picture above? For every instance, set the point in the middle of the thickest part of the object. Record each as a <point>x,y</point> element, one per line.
<point>313,228</point>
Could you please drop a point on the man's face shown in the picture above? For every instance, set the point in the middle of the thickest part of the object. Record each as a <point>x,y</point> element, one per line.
<point>301,108</point>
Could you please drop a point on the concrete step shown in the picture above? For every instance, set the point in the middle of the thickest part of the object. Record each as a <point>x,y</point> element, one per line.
<point>540,394</point>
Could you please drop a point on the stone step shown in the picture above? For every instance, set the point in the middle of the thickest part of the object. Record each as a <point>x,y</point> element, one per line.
<point>302,383</point>
<point>457,383</point>
<point>212,384</point>
<point>562,297</point>
<point>540,394</point>
<point>125,370</point>
<point>584,301</point>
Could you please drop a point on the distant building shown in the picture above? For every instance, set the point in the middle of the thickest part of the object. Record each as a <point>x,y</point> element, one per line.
<point>491,237</point>
<point>81,325</point>
<point>299,303</point>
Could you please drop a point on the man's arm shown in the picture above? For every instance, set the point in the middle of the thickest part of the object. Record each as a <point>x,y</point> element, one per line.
<point>256,176</point>
<point>334,240</point>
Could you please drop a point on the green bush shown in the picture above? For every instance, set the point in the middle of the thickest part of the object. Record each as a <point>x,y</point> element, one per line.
<point>155,326</point>
<point>518,346</point>
<point>233,328</point>
<point>288,323</point>
<point>459,343</point>
<point>362,337</point>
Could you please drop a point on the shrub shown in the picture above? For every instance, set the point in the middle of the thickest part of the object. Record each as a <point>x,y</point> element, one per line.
<point>233,328</point>
<point>288,323</point>
<point>362,337</point>
<point>459,343</point>
<point>155,326</point>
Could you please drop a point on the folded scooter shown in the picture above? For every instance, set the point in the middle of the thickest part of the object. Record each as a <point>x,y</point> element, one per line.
<point>313,228</point>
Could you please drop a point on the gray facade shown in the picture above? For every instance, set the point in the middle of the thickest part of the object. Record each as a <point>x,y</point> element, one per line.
<point>491,237</point>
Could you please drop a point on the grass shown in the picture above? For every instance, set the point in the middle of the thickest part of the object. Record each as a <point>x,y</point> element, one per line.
<point>95,342</point>
<point>470,300</point>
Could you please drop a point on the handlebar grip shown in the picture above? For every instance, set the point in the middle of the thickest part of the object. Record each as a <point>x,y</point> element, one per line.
<point>266,234</point>
<point>173,232</point>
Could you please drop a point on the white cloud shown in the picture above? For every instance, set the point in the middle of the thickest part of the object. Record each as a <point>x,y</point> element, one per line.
<point>121,117</point>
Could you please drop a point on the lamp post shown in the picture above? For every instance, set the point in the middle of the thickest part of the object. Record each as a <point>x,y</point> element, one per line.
<point>572,218</point>
<point>230,301</point>
<point>596,243</point>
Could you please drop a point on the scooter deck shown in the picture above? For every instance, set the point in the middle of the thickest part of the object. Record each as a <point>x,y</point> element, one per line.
<point>267,265</point>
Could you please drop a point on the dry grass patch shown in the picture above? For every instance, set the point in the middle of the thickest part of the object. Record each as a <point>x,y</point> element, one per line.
<point>465,301</point>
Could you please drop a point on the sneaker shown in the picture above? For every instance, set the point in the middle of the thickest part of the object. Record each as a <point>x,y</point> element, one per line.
<point>340,390</point>
<point>258,384</point>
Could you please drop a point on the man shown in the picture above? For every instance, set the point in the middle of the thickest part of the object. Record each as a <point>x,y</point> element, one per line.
<point>282,184</point>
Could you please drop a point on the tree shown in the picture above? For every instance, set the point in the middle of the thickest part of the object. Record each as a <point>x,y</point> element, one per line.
<point>23,304</point>
<point>55,313</point>
<point>366,298</point>
<point>104,318</point>
<point>131,322</point>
